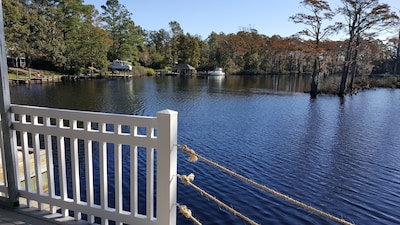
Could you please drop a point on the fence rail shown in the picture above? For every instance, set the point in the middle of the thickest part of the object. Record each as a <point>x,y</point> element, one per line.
<point>99,167</point>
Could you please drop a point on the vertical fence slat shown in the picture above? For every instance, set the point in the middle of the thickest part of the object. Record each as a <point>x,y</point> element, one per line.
<point>25,160</point>
<point>38,166</point>
<point>134,180</point>
<point>167,126</point>
<point>75,176</point>
<point>62,173</point>
<point>118,177</point>
<point>49,164</point>
<point>103,179</point>
<point>37,160</point>
<point>89,177</point>
<point>18,174</point>
<point>150,183</point>
<point>103,175</point>
<point>3,162</point>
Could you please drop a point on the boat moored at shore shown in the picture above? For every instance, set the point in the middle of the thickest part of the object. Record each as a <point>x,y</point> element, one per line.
<point>217,72</point>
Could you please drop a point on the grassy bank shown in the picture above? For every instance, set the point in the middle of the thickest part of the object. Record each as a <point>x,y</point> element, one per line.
<point>18,73</point>
<point>330,85</point>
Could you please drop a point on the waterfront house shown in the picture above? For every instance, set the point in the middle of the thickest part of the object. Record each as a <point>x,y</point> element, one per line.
<point>184,69</point>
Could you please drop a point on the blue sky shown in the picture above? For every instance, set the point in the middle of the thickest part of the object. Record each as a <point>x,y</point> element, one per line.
<point>269,17</point>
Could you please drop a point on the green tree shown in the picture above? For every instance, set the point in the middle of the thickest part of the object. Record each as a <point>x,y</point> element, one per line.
<point>125,35</point>
<point>255,49</point>
<point>159,49</point>
<point>31,30</point>
<point>213,54</point>
<point>232,49</point>
<point>16,25</point>
<point>47,32</point>
<point>86,41</point>
<point>189,49</point>
<point>176,33</point>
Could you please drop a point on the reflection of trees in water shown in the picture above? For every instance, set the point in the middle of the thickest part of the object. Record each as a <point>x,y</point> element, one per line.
<point>275,83</point>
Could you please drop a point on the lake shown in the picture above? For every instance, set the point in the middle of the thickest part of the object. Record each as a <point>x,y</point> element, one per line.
<point>340,156</point>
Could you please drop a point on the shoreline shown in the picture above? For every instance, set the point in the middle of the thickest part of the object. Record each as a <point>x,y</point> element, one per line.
<point>327,85</point>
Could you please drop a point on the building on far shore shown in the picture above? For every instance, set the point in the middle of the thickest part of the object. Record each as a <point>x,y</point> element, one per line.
<point>184,69</point>
<point>17,62</point>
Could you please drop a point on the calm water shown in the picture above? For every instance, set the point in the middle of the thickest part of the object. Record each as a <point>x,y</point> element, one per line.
<point>340,157</point>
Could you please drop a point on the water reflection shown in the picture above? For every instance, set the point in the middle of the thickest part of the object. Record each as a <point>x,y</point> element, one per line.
<point>121,96</point>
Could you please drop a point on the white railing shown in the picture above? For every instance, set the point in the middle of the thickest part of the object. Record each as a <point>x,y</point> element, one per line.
<point>96,166</point>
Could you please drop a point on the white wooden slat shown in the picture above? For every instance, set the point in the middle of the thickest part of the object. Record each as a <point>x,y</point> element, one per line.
<point>75,176</point>
<point>50,170</point>
<point>103,174</point>
<point>150,183</point>
<point>37,159</point>
<point>25,160</point>
<point>19,175</point>
<point>62,174</point>
<point>82,134</point>
<point>3,162</point>
<point>38,167</point>
<point>134,180</point>
<point>118,177</point>
<point>167,124</point>
<point>109,118</point>
<point>89,178</point>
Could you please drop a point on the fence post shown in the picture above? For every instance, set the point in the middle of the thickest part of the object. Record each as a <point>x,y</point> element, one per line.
<point>167,135</point>
<point>5,111</point>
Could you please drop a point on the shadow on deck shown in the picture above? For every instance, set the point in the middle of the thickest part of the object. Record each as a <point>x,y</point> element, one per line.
<point>29,216</point>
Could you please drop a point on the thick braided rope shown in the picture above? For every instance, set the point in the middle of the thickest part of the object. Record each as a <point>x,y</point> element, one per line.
<point>188,181</point>
<point>192,153</point>
<point>186,212</point>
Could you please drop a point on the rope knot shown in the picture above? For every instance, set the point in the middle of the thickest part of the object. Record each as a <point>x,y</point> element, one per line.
<point>187,179</point>
<point>185,211</point>
<point>192,154</point>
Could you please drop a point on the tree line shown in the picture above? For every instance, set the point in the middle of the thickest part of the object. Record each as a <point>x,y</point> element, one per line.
<point>70,36</point>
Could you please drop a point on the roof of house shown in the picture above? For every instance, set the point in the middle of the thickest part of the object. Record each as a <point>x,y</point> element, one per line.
<point>183,67</point>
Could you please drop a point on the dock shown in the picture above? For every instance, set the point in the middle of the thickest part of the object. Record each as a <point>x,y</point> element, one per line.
<point>25,215</point>
<point>17,81</point>
<point>33,216</point>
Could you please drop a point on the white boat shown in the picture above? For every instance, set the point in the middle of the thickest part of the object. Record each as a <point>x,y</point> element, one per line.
<point>120,65</point>
<point>217,72</point>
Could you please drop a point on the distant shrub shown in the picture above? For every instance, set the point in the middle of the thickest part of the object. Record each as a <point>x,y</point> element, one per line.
<point>139,71</point>
<point>151,72</point>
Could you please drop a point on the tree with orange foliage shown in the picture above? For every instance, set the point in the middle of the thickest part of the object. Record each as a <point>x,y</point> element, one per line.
<point>319,11</point>
<point>361,16</point>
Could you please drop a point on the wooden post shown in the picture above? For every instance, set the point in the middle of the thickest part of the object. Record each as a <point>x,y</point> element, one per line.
<point>167,132</point>
<point>7,135</point>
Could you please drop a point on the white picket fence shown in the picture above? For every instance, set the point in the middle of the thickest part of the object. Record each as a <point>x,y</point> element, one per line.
<point>99,167</point>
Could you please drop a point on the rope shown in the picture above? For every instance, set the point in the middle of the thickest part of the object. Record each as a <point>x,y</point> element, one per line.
<point>265,188</point>
<point>188,181</point>
<point>186,212</point>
